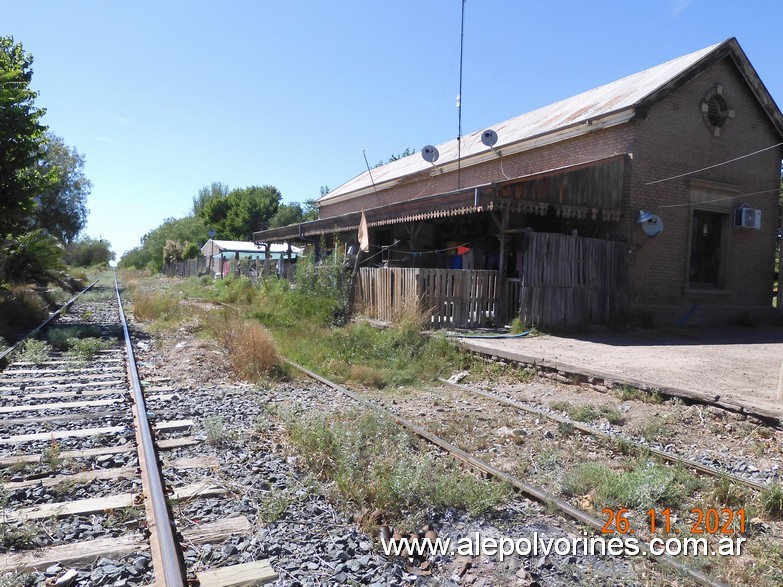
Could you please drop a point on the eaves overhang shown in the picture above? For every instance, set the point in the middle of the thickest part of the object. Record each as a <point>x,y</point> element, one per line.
<point>528,144</point>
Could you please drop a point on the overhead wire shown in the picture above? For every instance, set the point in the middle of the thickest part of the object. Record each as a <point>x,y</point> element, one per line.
<point>722,199</point>
<point>713,166</point>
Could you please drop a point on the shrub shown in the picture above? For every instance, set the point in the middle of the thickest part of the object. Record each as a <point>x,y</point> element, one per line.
<point>35,351</point>
<point>644,486</point>
<point>149,306</point>
<point>35,256</point>
<point>373,462</point>
<point>252,353</point>
<point>21,308</point>
<point>84,349</point>
<point>771,500</point>
<point>62,337</point>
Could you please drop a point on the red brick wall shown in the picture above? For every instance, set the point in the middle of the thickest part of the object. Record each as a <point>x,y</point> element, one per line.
<point>674,139</point>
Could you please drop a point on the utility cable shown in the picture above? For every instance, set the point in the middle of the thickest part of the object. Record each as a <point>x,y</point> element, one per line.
<point>713,166</point>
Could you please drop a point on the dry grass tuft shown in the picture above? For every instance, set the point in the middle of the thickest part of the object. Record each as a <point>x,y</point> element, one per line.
<point>149,306</point>
<point>367,376</point>
<point>252,353</point>
<point>21,308</point>
<point>410,314</point>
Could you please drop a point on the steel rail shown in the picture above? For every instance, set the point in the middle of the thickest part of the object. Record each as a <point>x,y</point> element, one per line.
<point>168,565</point>
<point>605,435</point>
<point>535,493</point>
<point>45,323</point>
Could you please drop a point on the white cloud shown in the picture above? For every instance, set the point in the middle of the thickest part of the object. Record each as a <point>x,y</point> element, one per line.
<point>679,5</point>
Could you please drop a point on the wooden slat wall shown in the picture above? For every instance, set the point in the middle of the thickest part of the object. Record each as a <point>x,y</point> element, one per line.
<point>451,297</point>
<point>570,281</point>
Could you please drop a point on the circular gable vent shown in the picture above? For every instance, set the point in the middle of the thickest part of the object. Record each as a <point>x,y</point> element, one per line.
<point>716,110</point>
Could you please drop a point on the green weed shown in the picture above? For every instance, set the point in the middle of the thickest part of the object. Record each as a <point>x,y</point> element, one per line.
<point>644,486</point>
<point>35,351</point>
<point>629,393</point>
<point>84,349</point>
<point>215,429</point>
<point>728,493</point>
<point>52,457</point>
<point>372,462</point>
<point>771,501</point>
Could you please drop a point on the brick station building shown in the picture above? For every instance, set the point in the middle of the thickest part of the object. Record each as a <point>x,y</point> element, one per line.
<point>654,194</point>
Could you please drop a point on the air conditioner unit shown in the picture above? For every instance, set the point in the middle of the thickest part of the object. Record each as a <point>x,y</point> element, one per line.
<point>747,218</point>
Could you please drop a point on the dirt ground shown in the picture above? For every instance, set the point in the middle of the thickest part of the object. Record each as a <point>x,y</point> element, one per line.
<point>741,364</point>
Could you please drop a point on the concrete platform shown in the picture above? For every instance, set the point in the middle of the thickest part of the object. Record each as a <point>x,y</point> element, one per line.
<point>734,366</point>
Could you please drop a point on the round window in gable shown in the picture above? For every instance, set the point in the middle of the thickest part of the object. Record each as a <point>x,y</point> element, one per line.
<point>716,110</point>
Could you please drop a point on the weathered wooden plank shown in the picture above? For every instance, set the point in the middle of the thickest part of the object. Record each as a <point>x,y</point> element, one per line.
<point>58,406</point>
<point>72,374</point>
<point>116,473</point>
<point>55,394</point>
<point>107,383</point>
<point>96,505</point>
<point>167,444</point>
<point>171,426</point>
<point>242,575</point>
<point>80,371</point>
<point>84,553</point>
<point>76,416</point>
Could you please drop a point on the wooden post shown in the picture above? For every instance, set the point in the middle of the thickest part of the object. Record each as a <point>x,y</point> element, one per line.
<point>500,306</point>
<point>288,268</point>
<point>266,259</point>
<point>780,383</point>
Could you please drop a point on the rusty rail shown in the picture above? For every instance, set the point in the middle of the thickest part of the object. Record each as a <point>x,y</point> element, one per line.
<point>167,560</point>
<point>7,352</point>
<point>525,488</point>
<point>598,433</point>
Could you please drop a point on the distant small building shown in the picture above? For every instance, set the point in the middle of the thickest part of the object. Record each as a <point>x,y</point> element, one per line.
<point>236,257</point>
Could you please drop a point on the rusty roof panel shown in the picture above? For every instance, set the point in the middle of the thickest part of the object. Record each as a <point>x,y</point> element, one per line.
<point>611,98</point>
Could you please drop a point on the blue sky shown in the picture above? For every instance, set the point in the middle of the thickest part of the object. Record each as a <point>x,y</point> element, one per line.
<point>164,97</point>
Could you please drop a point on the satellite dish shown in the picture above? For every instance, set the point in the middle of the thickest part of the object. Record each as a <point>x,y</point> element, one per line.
<point>489,137</point>
<point>653,226</point>
<point>430,154</point>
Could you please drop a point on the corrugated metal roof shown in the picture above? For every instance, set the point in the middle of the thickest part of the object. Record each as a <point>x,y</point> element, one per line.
<point>597,103</point>
<point>242,247</point>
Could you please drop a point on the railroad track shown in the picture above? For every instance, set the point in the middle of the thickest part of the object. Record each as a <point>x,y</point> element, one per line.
<point>612,439</point>
<point>395,409</point>
<point>82,497</point>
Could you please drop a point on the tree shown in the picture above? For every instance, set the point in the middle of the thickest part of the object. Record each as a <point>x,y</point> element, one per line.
<point>172,251</point>
<point>21,138</point>
<point>86,252</point>
<point>207,193</point>
<point>34,256</point>
<point>150,254</point>
<point>395,157</point>
<point>61,208</point>
<point>287,214</point>
<point>241,212</point>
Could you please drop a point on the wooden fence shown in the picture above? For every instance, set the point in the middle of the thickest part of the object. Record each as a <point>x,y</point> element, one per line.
<point>189,268</point>
<point>451,297</point>
<point>567,282</point>
<point>225,267</point>
<point>570,281</point>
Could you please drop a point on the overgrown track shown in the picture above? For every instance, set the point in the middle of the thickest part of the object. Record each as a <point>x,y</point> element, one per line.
<point>82,498</point>
<point>535,493</point>
<point>637,447</point>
